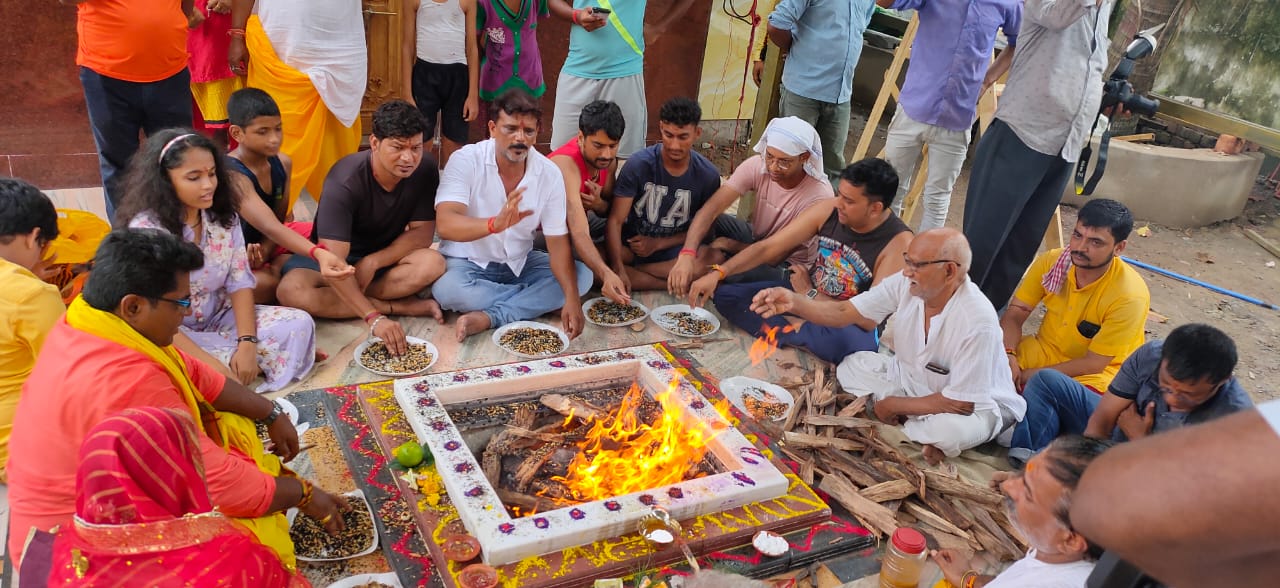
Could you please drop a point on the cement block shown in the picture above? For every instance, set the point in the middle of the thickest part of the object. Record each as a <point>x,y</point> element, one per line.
<point>1174,187</point>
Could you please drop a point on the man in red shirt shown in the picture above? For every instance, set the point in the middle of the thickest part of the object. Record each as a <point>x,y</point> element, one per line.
<point>133,67</point>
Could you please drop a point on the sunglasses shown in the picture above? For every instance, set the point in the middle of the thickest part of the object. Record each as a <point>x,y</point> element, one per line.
<point>183,303</point>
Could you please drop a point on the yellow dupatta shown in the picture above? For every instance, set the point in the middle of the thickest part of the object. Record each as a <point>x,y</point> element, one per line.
<point>229,430</point>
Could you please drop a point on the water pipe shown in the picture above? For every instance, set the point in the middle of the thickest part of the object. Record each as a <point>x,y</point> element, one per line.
<point>1177,276</point>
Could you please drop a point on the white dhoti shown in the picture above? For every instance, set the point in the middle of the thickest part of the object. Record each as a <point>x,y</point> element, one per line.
<point>868,372</point>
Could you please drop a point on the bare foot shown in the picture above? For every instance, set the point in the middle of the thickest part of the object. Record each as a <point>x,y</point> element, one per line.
<point>414,306</point>
<point>933,455</point>
<point>471,323</point>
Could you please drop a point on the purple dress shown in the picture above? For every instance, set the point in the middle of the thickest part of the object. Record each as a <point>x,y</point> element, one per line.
<point>287,348</point>
<point>510,56</point>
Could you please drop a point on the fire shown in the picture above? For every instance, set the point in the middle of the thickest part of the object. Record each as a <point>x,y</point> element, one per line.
<point>621,454</point>
<point>765,345</point>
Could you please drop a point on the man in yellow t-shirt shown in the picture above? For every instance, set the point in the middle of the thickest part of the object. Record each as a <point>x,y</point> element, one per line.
<point>1096,304</point>
<point>28,305</point>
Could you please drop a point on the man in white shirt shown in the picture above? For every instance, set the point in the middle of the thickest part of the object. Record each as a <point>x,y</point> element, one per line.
<point>1038,503</point>
<point>493,196</point>
<point>948,384</point>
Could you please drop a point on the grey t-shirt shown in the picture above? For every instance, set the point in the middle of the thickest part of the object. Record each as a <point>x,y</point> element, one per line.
<point>1138,380</point>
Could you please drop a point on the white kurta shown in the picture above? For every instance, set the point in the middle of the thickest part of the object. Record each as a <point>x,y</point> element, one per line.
<point>1030,572</point>
<point>964,340</point>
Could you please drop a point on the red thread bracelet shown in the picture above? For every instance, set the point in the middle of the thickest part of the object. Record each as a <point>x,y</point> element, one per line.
<point>575,17</point>
<point>312,252</point>
<point>492,228</point>
<point>371,315</point>
<point>689,251</point>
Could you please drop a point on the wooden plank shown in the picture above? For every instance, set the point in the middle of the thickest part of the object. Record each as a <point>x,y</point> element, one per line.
<point>1266,243</point>
<point>890,81</point>
<point>1136,138</point>
<point>958,488</point>
<point>805,440</point>
<point>848,422</point>
<point>891,490</point>
<point>854,469</point>
<point>874,517</point>
<point>934,519</point>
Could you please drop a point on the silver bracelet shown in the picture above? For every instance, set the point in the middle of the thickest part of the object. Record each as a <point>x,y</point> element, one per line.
<point>374,324</point>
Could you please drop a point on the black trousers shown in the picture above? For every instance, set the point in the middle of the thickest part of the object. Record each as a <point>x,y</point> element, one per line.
<point>118,110</point>
<point>1013,192</point>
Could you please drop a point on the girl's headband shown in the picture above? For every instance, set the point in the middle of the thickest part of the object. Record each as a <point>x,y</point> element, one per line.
<point>171,143</point>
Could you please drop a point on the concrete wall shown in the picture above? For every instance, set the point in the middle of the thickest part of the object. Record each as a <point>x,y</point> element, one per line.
<point>1174,187</point>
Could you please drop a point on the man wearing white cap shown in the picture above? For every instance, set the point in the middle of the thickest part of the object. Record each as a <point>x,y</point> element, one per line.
<point>787,178</point>
<point>860,242</point>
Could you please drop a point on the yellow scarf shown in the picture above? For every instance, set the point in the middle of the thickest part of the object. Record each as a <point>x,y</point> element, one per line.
<point>230,430</point>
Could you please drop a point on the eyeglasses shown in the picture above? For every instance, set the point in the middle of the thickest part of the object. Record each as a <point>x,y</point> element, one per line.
<point>778,162</point>
<point>183,303</point>
<point>916,265</point>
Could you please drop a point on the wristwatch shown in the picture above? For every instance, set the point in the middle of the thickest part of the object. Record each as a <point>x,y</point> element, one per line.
<point>811,294</point>
<point>276,411</point>
<point>247,339</point>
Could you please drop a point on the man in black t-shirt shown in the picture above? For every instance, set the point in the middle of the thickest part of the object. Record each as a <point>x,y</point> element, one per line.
<point>377,210</point>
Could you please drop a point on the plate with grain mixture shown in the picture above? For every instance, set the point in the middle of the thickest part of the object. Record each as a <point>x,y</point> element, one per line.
<point>603,312</point>
<point>763,401</point>
<point>313,543</point>
<point>531,340</point>
<point>684,320</point>
<point>372,355</point>
<point>386,580</point>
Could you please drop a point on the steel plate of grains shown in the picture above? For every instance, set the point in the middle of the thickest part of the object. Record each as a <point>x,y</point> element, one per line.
<point>376,357</point>
<point>530,341</point>
<point>311,541</point>
<point>688,323</point>
<point>608,312</point>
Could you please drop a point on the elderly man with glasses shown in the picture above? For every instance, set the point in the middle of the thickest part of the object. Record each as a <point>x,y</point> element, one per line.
<point>1183,380</point>
<point>948,383</point>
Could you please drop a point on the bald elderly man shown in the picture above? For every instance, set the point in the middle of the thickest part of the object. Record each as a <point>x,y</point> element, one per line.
<point>948,383</point>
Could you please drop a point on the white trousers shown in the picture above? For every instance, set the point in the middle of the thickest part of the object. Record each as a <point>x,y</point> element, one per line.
<point>868,372</point>
<point>903,149</point>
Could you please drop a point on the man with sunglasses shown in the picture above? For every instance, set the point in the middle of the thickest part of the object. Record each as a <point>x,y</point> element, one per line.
<point>28,222</point>
<point>1184,380</point>
<point>948,383</point>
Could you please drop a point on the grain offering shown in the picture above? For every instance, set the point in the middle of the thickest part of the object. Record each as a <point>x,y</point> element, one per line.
<point>532,341</point>
<point>688,324</point>
<point>608,312</point>
<point>764,406</point>
<point>376,357</point>
<point>311,541</point>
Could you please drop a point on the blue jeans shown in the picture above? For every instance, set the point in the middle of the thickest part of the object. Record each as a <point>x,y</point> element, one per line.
<point>502,295</point>
<point>829,343</point>
<point>119,109</point>
<point>1056,405</point>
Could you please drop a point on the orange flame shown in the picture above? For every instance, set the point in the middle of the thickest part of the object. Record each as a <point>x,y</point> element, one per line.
<point>765,345</point>
<point>621,454</point>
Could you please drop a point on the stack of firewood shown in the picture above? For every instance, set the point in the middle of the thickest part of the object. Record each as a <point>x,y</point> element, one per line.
<point>882,488</point>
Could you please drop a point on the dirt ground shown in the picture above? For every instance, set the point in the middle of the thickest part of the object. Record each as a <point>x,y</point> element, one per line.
<point>1218,254</point>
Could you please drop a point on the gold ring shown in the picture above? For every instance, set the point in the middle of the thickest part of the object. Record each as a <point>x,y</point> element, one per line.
<point>326,519</point>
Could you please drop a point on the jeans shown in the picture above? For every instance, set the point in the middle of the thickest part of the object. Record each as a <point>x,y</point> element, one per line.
<point>830,120</point>
<point>947,148</point>
<point>1013,191</point>
<point>1056,405</point>
<point>119,109</point>
<point>502,295</point>
<point>832,344</point>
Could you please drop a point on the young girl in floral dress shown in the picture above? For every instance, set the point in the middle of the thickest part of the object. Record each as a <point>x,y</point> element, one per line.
<point>178,183</point>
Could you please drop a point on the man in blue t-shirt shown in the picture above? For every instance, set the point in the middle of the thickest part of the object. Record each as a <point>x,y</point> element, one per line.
<point>1184,380</point>
<point>606,62</point>
<point>655,197</point>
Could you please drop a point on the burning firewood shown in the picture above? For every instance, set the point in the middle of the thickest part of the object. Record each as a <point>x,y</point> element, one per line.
<point>572,407</point>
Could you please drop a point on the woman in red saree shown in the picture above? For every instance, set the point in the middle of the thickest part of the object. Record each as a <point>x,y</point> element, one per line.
<point>144,518</point>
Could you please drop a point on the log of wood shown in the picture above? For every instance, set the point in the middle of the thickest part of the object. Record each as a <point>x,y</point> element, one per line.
<point>801,400</point>
<point>886,491</point>
<point>804,440</point>
<point>944,507</point>
<point>943,539</point>
<point>1013,533</point>
<point>529,503</point>
<point>848,422</point>
<point>958,488</point>
<point>566,406</point>
<point>985,521</point>
<point>806,471</point>
<point>932,519</point>
<point>853,408</point>
<point>855,469</point>
<point>873,516</point>
<point>528,469</point>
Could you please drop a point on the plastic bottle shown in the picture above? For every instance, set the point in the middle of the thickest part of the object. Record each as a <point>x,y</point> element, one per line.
<point>903,562</point>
